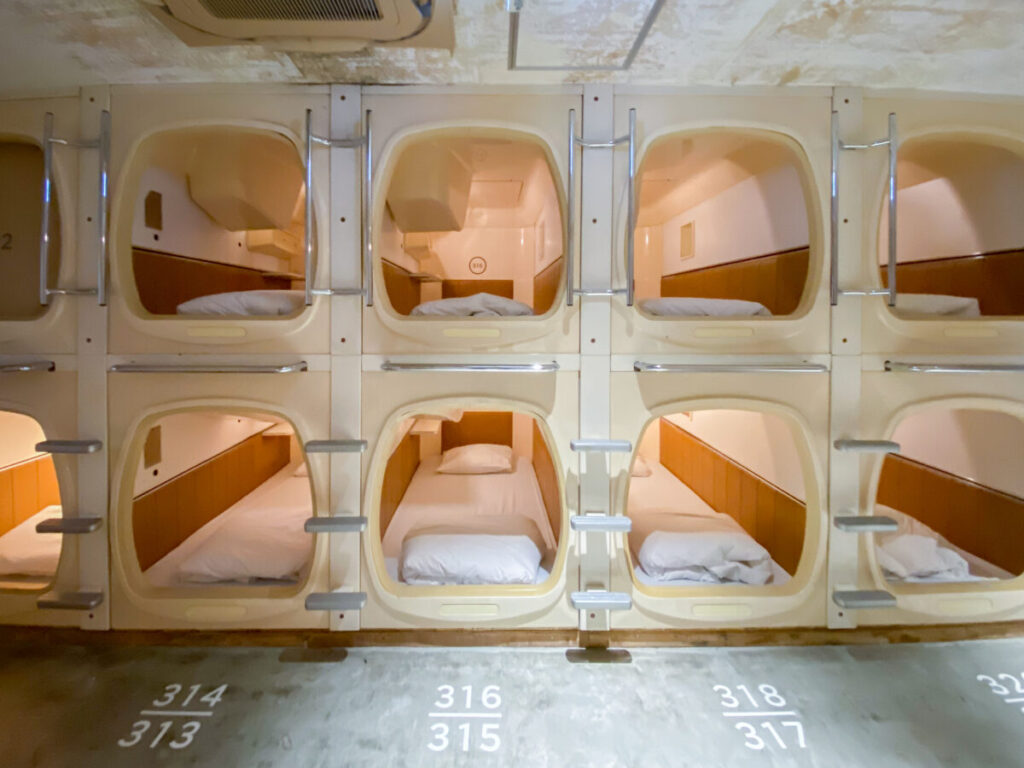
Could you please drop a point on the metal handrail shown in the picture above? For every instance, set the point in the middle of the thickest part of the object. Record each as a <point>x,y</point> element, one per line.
<point>102,143</point>
<point>892,142</point>
<point>570,209</point>
<point>29,366</point>
<point>894,367</point>
<point>551,367</point>
<point>299,367</point>
<point>352,143</point>
<point>641,367</point>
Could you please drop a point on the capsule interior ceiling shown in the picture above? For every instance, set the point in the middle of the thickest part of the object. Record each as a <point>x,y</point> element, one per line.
<point>463,434</point>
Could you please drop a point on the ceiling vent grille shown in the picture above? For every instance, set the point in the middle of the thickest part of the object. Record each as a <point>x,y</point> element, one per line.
<point>294,10</point>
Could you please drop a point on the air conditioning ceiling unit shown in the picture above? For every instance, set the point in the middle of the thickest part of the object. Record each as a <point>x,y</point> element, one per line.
<point>319,26</point>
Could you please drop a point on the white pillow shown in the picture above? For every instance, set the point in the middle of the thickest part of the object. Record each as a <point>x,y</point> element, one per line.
<point>476,459</point>
<point>267,302</point>
<point>435,559</point>
<point>641,468</point>
<point>909,556</point>
<point>707,556</point>
<point>301,471</point>
<point>682,306</point>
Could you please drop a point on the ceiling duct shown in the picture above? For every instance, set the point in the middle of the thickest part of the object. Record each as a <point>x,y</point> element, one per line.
<point>319,26</point>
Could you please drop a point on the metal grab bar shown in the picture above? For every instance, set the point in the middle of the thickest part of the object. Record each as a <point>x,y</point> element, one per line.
<point>641,367</point>
<point>866,446</point>
<point>335,524</point>
<point>892,142</point>
<point>894,367</point>
<point>72,525</point>
<point>335,446</point>
<point>102,143</point>
<point>574,140</point>
<point>352,143</point>
<point>600,446</point>
<point>551,367</point>
<point>69,446</point>
<point>28,366</point>
<point>300,367</point>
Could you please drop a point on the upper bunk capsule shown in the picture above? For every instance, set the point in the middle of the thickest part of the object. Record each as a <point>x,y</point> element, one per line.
<point>726,252</point>
<point>469,224</point>
<point>208,226</point>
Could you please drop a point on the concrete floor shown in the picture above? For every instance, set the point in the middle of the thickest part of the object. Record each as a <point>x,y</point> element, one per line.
<point>877,706</point>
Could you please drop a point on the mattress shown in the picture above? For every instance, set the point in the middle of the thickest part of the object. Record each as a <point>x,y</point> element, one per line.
<point>980,570</point>
<point>245,303</point>
<point>929,304</point>
<point>284,496</point>
<point>498,504</point>
<point>685,306</point>
<point>26,554</point>
<point>477,305</point>
<point>662,502</point>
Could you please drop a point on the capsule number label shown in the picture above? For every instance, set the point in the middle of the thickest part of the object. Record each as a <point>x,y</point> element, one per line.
<point>1008,687</point>
<point>762,716</point>
<point>174,717</point>
<point>465,719</point>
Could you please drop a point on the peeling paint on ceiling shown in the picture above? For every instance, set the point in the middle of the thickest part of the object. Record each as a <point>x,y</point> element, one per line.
<point>949,45</point>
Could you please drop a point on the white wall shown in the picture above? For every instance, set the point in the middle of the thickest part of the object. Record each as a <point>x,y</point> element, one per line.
<point>190,438</point>
<point>760,215</point>
<point>187,230</point>
<point>20,434</point>
<point>984,446</point>
<point>761,442</point>
<point>969,201</point>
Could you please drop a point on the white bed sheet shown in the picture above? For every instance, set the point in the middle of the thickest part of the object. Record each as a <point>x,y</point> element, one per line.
<point>981,570</point>
<point>245,303</point>
<point>499,503</point>
<point>26,553</point>
<point>662,502</point>
<point>283,488</point>
<point>686,306</point>
<point>391,565</point>
<point>477,305</point>
<point>930,304</point>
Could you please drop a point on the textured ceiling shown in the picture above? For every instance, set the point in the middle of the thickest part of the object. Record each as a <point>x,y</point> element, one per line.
<point>950,45</point>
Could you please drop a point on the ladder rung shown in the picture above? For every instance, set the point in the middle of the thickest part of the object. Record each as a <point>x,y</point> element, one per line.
<point>335,446</point>
<point>864,598</point>
<point>865,524</point>
<point>70,601</point>
<point>601,446</point>
<point>69,525</point>
<point>335,601</point>
<point>69,446</point>
<point>335,524</point>
<point>867,446</point>
<point>598,523</point>
<point>601,600</point>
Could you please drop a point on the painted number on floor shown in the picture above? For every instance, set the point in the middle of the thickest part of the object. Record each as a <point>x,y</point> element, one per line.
<point>1008,687</point>
<point>174,717</point>
<point>762,716</point>
<point>466,718</point>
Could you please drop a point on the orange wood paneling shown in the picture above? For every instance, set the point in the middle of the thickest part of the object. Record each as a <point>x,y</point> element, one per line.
<point>478,427</point>
<point>547,479</point>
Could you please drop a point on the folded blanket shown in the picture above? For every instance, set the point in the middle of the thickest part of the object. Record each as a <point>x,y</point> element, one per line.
<point>712,557</point>
<point>244,303</point>
<point>477,305</point>
<point>693,307</point>
<point>911,556</point>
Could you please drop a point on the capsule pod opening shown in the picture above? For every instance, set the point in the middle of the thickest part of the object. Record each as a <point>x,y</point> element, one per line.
<point>213,226</point>
<point>29,495</point>
<point>470,500</point>
<point>956,492</point>
<point>960,235</point>
<point>218,498</point>
<point>472,226</point>
<point>21,195</point>
<point>722,227</point>
<point>717,498</point>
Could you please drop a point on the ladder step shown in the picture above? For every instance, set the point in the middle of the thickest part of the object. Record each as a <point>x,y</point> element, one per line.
<point>867,446</point>
<point>601,446</point>
<point>601,600</point>
<point>598,523</point>
<point>335,601</point>
<point>335,524</point>
<point>70,601</point>
<point>865,524</point>
<point>69,446</point>
<point>335,446</point>
<point>864,598</point>
<point>69,525</point>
